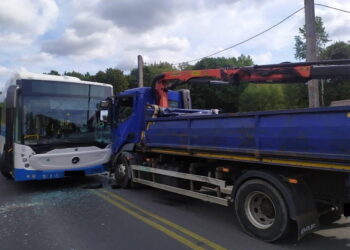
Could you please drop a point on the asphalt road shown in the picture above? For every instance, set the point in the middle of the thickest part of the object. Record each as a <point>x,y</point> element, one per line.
<point>61,214</point>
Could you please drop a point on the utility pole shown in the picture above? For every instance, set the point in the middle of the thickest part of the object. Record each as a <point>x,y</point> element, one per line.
<point>140,67</point>
<point>311,50</point>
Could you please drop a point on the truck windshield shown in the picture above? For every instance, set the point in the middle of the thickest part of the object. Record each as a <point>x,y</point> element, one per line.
<point>63,113</point>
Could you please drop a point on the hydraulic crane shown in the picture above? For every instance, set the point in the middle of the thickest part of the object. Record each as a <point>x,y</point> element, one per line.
<point>272,73</point>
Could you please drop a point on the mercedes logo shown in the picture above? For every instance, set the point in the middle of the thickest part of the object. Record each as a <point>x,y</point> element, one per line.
<point>75,160</point>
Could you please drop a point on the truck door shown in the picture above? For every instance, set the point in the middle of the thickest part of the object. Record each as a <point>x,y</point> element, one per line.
<point>125,124</point>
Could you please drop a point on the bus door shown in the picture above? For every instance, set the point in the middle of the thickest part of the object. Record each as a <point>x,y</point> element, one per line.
<point>6,165</point>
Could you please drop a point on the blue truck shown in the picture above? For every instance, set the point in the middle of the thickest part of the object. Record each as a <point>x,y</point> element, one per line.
<point>281,172</point>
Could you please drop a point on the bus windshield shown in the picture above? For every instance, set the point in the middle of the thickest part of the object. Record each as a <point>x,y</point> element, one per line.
<point>63,113</point>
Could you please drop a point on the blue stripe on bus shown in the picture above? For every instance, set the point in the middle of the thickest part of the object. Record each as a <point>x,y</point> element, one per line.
<point>27,175</point>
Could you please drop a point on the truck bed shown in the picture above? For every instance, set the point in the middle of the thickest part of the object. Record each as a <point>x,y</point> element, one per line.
<point>308,138</point>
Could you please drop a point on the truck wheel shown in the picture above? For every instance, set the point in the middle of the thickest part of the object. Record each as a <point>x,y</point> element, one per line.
<point>261,210</point>
<point>122,172</point>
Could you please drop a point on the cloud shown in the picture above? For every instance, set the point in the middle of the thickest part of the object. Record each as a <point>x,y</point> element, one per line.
<point>14,39</point>
<point>141,16</point>
<point>4,71</point>
<point>37,58</point>
<point>30,17</point>
<point>263,58</point>
<point>88,36</point>
<point>87,23</point>
<point>148,43</point>
<point>335,22</point>
<point>92,46</point>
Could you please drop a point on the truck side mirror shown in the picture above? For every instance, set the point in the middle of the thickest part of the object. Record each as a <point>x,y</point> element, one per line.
<point>104,110</point>
<point>104,115</point>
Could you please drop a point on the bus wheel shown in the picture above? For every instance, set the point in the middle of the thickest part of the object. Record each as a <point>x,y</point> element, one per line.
<point>122,172</point>
<point>261,210</point>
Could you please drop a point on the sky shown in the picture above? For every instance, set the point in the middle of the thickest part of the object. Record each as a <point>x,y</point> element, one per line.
<point>92,35</point>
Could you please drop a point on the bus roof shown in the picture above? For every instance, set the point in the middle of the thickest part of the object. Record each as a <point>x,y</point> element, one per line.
<point>44,77</point>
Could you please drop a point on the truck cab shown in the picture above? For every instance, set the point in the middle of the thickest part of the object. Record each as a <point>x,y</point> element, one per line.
<point>130,113</point>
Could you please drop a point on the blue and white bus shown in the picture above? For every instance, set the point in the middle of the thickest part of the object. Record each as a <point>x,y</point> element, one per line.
<point>51,127</point>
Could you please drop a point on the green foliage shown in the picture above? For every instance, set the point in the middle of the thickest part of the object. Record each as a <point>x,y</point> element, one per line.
<point>225,98</point>
<point>85,77</point>
<point>115,77</point>
<point>53,72</point>
<point>149,72</point>
<point>336,89</point>
<point>295,95</point>
<point>223,62</point>
<point>321,39</point>
<point>257,97</point>
<point>337,50</point>
<point>185,66</point>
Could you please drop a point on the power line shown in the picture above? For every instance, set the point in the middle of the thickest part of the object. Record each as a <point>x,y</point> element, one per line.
<point>246,40</point>
<point>262,32</point>
<point>330,7</point>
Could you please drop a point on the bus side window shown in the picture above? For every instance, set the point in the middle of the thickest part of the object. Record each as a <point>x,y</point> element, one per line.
<point>125,105</point>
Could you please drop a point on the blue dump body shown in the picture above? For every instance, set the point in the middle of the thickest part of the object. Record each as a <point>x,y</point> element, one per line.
<point>310,138</point>
<point>315,135</point>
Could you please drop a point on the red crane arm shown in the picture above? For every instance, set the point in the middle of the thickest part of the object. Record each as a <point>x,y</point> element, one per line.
<point>278,73</point>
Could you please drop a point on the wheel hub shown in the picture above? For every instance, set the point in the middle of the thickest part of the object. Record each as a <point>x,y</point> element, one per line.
<point>121,170</point>
<point>260,210</point>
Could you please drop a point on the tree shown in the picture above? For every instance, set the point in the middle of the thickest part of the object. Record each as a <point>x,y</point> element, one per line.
<point>337,50</point>
<point>336,89</point>
<point>76,74</point>
<point>53,72</point>
<point>115,77</point>
<point>296,95</point>
<point>222,62</point>
<point>261,97</point>
<point>149,72</point>
<point>222,97</point>
<point>321,39</point>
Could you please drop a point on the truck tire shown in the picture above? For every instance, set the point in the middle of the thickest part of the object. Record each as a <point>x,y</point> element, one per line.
<point>261,211</point>
<point>122,172</point>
